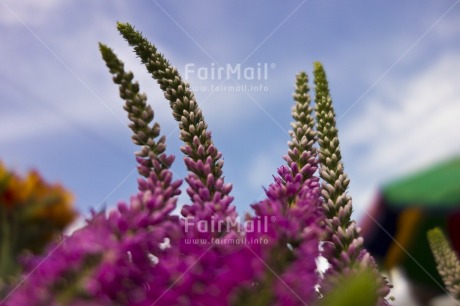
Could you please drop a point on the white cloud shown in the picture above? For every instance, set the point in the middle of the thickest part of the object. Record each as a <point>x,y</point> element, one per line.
<point>418,125</point>
<point>406,125</point>
<point>29,11</point>
<point>51,85</point>
<point>35,124</point>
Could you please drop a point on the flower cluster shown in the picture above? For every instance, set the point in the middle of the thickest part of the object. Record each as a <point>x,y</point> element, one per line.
<point>448,263</point>
<point>142,254</point>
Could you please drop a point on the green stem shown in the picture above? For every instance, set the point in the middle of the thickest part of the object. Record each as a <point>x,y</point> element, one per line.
<point>7,264</point>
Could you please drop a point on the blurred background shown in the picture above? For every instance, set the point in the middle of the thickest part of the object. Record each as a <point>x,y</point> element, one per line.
<point>393,69</point>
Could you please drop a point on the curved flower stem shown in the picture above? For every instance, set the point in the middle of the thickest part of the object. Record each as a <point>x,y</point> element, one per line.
<point>203,160</point>
<point>139,113</point>
<point>154,164</point>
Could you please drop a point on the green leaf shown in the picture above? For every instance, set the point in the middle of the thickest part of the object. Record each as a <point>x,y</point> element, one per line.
<point>359,289</point>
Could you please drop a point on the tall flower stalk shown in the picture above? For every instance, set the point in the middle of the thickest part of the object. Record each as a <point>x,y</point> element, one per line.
<point>343,247</point>
<point>294,200</point>
<point>447,261</point>
<point>302,148</point>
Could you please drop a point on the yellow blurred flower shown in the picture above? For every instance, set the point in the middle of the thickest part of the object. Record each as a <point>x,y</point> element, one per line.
<point>35,209</point>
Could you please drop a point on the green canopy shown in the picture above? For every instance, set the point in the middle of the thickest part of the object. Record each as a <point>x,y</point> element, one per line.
<point>437,187</point>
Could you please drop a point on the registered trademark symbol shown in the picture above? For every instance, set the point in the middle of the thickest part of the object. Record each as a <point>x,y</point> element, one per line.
<point>273,218</point>
<point>272,66</point>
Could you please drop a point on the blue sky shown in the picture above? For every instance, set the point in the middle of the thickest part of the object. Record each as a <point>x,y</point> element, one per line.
<point>393,68</point>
